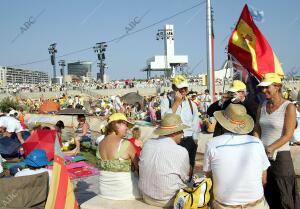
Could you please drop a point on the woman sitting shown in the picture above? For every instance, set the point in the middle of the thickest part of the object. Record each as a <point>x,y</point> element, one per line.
<point>83,134</point>
<point>117,161</point>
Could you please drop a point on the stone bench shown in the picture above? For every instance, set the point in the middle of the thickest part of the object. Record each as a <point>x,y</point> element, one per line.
<point>101,203</point>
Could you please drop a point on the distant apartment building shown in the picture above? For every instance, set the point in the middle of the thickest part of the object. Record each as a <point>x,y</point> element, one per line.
<point>10,75</point>
<point>80,69</point>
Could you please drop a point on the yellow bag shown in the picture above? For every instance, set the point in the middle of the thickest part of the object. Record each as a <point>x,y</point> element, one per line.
<point>194,197</point>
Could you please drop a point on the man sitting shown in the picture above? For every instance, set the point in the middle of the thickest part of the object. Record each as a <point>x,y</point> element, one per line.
<point>164,165</point>
<point>9,126</point>
<point>237,162</point>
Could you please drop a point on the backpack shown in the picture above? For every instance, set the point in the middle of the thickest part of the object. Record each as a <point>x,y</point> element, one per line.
<point>194,197</point>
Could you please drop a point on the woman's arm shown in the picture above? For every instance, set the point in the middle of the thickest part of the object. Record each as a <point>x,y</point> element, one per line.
<point>133,156</point>
<point>288,129</point>
<point>264,178</point>
<point>257,129</point>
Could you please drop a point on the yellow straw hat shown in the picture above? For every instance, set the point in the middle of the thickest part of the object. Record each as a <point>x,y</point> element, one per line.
<point>270,78</point>
<point>237,85</point>
<point>180,81</point>
<point>119,116</point>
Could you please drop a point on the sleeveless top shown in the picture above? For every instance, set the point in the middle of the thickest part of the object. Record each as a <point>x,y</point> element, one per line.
<point>117,164</point>
<point>80,131</point>
<point>272,125</point>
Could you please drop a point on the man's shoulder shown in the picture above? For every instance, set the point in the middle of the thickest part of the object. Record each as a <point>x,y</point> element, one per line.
<point>215,141</point>
<point>164,143</point>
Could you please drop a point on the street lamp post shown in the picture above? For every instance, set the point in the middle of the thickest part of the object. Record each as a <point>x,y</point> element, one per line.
<point>100,49</point>
<point>52,51</point>
<point>62,65</point>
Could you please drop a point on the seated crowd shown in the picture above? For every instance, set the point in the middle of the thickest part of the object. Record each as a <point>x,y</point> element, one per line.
<point>248,159</point>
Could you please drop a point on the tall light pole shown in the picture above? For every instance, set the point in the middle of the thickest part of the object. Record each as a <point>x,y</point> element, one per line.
<point>100,49</point>
<point>167,35</point>
<point>210,51</point>
<point>62,65</point>
<point>52,51</point>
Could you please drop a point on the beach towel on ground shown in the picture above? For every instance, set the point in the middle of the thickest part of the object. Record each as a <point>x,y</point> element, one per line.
<point>80,169</point>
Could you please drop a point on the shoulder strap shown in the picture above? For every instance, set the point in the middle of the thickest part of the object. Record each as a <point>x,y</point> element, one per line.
<point>124,146</point>
<point>191,106</point>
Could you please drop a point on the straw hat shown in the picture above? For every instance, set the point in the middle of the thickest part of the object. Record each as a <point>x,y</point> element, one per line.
<point>236,86</point>
<point>119,116</point>
<point>270,78</point>
<point>235,119</point>
<point>180,81</point>
<point>171,123</point>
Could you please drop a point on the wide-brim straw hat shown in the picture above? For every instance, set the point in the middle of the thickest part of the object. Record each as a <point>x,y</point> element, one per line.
<point>235,119</point>
<point>171,123</point>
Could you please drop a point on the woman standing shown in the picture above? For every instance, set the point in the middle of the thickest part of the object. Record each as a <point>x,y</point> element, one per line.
<point>151,110</point>
<point>117,161</point>
<point>276,122</point>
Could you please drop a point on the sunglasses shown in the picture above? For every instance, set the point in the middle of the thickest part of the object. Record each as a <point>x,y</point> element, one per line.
<point>182,89</point>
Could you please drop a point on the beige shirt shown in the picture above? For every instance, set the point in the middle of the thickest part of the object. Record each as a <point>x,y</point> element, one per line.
<point>163,168</point>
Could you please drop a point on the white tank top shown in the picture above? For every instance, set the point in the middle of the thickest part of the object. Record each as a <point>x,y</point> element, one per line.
<point>272,125</point>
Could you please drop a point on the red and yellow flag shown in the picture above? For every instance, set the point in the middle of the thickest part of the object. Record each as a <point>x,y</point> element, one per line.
<point>248,45</point>
<point>61,194</point>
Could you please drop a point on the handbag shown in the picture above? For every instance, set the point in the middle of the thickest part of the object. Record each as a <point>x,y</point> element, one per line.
<point>194,197</point>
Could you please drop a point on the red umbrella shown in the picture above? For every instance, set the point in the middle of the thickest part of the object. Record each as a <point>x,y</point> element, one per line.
<point>41,139</point>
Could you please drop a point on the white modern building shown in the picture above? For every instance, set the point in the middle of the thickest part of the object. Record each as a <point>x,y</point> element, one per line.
<point>169,61</point>
<point>9,75</point>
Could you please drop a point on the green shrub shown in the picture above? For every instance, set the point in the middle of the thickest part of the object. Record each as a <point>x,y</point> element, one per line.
<point>7,103</point>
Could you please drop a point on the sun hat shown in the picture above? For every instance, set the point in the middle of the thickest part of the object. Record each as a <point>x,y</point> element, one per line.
<point>37,158</point>
<point>171,123</point>
<point>235,119</point>
<point>119,116</point>
<point>270,78</point>
<point>180,81</point>
<point>236,86</point>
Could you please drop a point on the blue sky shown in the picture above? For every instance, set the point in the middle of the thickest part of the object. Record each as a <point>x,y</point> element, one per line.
<point>79,24</point>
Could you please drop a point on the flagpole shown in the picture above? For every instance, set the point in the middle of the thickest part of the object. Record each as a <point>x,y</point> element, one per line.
<point>210,60</point>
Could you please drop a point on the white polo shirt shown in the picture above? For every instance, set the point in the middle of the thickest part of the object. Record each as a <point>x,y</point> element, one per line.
<point>237,163</point>
<point>11,124</point>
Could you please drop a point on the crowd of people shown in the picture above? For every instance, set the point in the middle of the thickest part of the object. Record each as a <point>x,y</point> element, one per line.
<point>248,158</point>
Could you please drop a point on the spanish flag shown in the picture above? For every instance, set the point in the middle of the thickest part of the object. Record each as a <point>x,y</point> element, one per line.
<point>248,45</point>
<point>61,194</point>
